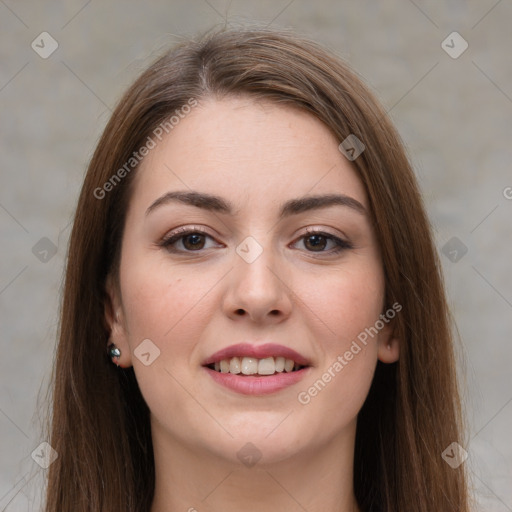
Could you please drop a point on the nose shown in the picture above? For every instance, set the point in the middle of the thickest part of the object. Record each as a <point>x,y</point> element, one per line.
<point>258,291</point>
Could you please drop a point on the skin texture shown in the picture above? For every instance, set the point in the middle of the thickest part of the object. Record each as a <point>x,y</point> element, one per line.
<point>191,304</point>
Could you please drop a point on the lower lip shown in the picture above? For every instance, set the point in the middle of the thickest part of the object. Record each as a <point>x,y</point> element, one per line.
<point>252,385</point>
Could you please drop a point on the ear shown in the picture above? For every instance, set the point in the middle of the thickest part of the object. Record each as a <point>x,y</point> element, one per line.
<point>115,318</point>
<point>388,346</point>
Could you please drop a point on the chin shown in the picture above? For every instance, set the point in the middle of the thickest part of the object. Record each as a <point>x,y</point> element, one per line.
<point>259,451</point>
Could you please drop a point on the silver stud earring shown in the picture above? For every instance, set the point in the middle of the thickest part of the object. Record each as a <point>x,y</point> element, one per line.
<point>114,353</point>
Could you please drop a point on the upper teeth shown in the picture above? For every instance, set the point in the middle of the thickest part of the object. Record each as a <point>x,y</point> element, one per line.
<point>251,365</point>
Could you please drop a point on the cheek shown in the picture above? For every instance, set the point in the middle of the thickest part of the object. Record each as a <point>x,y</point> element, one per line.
<point>159,304</point>
<point>346,308</point>
<point>172,312</point>
<point>344,304</point>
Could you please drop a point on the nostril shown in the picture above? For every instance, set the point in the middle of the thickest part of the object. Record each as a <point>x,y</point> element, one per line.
<point>240,312</point>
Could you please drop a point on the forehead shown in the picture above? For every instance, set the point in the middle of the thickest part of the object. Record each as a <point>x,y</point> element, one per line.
<point>259,152</point>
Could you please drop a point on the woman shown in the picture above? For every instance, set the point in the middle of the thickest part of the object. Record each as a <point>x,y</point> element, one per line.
<point>251,252</point>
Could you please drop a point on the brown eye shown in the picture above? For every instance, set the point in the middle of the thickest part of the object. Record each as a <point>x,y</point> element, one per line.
<point>187,241</point>
<point>315,242</point>
<point>193,241</point>
<point>323,243</point>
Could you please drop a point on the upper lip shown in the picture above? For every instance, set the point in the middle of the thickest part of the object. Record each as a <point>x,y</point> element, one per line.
<point>258,352</point>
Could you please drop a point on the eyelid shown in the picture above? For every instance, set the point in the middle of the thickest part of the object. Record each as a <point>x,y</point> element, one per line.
<point>313,230</point>
<point>316,229</point>
<point>187,229</point>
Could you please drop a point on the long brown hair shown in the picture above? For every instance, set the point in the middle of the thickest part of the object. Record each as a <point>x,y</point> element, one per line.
<point>100,422</point>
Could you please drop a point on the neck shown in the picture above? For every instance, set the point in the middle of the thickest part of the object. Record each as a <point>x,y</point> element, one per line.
<point>189,479</point>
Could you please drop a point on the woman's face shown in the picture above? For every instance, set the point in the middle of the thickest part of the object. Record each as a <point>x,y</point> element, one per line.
<point>240,254</point>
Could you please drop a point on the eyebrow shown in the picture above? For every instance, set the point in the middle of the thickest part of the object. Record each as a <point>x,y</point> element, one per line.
<point>291,207</point>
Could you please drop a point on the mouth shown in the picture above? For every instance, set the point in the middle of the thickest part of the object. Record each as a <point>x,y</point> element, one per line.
<point>257,369</point>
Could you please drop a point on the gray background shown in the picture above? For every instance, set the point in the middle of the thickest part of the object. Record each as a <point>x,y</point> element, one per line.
<point>455,116</point>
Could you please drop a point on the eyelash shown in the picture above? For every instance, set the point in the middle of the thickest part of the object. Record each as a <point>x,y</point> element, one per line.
<point>168,241</point>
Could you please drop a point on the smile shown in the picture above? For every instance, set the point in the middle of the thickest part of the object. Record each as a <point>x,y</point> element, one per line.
<point>257,369</point>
